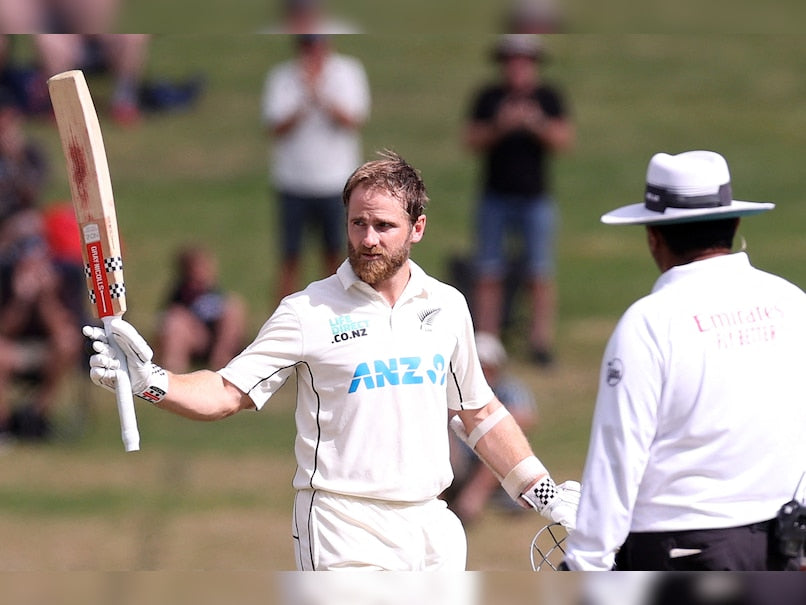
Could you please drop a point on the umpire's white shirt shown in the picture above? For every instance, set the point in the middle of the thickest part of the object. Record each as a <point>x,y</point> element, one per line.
<point>701,412</point>
<point>374,382</point>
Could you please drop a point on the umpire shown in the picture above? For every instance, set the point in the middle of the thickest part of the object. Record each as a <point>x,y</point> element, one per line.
<point>697,439</point>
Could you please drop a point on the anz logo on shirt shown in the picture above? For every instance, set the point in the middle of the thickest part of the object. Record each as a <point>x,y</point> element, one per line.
<point>395,372</point>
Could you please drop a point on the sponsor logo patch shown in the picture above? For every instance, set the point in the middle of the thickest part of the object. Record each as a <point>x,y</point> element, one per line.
<point>395,372</point>
<point>345,328</point>
<point>615,371</point>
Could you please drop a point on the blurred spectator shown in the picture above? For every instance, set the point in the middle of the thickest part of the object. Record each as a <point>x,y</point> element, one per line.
<point>474,484</point>
<point>21,16</point>
<point>23,174</point>
<point>41,339</point>
<point>82,16</point>
<point>11,363</point>
<point>71,34</point>
<point>516,125</point>
<point>26,82</point>
<point>59,16</point>
<point>314,106</point>
<point>309,17</point>
<point>533,17</point>
<point>39,335</point>
<point>201,323</point>
<point>23,163</point>
<point>21,83</point>
<point>64,243</point>
<point>121,55</point>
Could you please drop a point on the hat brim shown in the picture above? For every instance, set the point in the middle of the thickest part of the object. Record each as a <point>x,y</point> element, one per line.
<point>638,214</point>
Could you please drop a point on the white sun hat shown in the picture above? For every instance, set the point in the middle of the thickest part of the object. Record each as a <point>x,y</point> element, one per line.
<point>687,187</point>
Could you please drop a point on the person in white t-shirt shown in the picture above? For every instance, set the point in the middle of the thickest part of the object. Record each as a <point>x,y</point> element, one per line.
<point>698,431</point>
<point>380,352</point>
<point>313,106</point>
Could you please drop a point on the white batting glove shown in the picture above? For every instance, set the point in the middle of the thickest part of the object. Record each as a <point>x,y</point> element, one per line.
<point>149,381</point>
<point>557,503</point>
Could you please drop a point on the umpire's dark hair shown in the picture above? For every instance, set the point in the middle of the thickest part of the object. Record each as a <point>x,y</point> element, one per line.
<point>684,239</point>
<point>394,175</point>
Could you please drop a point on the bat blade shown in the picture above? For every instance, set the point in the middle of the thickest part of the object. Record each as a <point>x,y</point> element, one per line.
<point>91,191</point>
<point>94,206</point>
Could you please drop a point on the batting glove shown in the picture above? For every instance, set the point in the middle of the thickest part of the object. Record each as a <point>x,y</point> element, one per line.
<point>557,503</point>
<point>149,381</point>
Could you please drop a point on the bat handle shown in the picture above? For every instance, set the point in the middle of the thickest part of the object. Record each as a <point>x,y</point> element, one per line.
<point>123,394</point>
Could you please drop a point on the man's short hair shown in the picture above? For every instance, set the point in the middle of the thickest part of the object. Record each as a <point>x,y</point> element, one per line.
<point>686,238</point>
<point>395,176</point>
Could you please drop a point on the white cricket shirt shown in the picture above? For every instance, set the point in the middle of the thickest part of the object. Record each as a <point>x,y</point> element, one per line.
<point>317,156</point>
<point>374,382</point>
<point>701,413</point>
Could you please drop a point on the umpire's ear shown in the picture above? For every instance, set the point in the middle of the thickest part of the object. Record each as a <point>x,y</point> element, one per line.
<point>657,247</point>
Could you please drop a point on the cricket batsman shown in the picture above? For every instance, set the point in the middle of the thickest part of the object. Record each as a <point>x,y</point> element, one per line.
<point>382,355</point>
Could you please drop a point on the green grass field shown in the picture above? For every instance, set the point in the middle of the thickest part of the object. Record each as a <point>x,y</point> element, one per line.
<point>471,16</point>
<point>217,496</point>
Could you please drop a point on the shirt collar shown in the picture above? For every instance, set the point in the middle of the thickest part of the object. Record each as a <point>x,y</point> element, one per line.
<point>415,287</point>
<point>346,275</point>
<point>709,268</point>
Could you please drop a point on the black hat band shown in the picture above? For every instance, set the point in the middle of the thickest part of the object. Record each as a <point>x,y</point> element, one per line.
<point>659,199</point>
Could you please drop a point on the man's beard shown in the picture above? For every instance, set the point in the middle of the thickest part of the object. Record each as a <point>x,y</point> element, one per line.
<point>377,270</point>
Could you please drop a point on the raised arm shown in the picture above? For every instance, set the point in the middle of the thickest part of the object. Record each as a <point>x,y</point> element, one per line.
<point>203,395</point>
<point>200,395</point>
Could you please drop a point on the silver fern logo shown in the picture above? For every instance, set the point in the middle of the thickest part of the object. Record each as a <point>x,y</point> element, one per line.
<point>427,319</point>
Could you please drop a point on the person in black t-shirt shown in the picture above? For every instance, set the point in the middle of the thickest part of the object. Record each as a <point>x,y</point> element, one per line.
<point>516,125</point>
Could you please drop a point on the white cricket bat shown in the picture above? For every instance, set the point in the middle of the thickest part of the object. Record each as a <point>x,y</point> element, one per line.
<point>91,190</point>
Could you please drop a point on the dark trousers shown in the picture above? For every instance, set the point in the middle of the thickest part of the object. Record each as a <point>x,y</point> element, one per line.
<point>746,588</point>
<point>746,548</point>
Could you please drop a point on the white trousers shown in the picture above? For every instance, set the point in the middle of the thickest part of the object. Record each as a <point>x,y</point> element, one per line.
<point>332,531</point>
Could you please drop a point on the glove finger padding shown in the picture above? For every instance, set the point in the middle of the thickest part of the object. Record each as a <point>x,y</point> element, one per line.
<point>563,508</point>
<point>93,333</point>
<point>130,342</point>
<point>572,489</point>
<point>104,349</point>
<point>104,361</point>
<point>148,381</point>
<point>103,364</point>
<point>104,377</point>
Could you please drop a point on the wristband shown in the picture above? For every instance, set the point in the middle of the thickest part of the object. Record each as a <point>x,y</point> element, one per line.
<point>522,475</point>
<point>543,492</point>
<point>158,389</point>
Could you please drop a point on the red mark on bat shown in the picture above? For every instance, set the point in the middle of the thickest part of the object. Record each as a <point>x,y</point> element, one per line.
<point>100,285</point>
<point>79,174</point>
